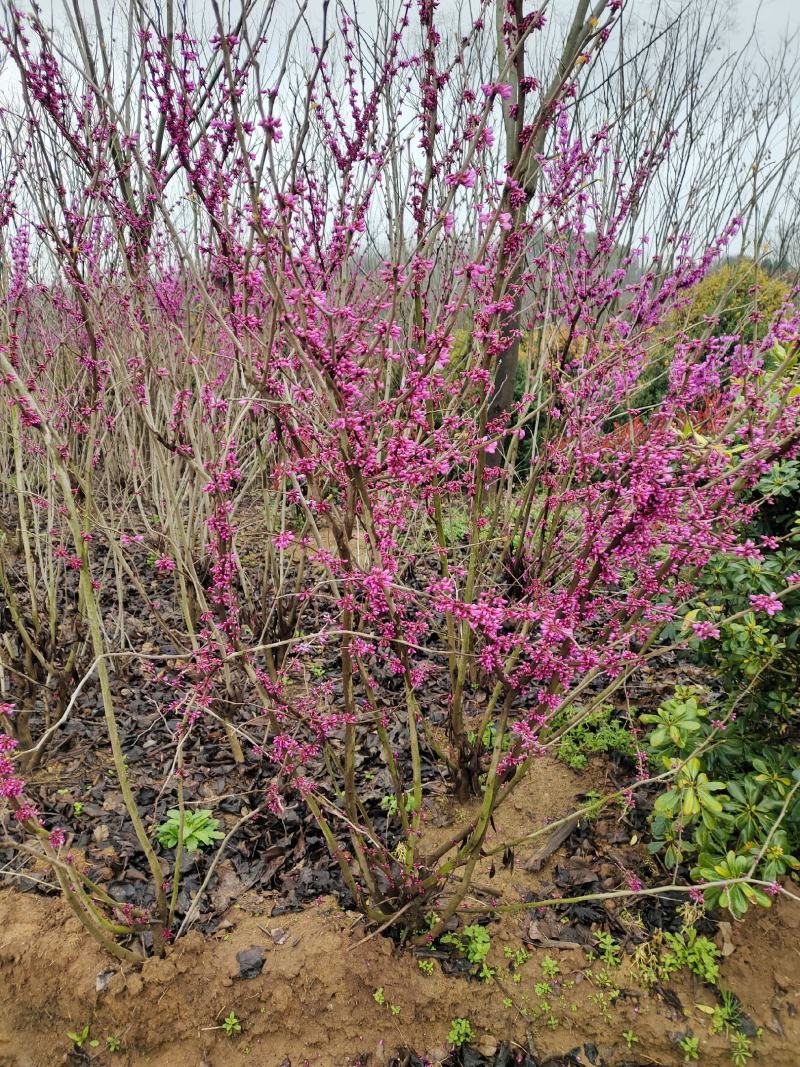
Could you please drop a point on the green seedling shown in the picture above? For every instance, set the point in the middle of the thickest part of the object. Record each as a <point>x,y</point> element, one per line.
<point>741,1049</point>
<point>200,829</point>
<point>231,1025</point>
<point>690,1047</point>
<point>696,952</point>
<point>460,1032</point>
<point>79,1038</point>
<point>473,942</point>
<point>608,949</point>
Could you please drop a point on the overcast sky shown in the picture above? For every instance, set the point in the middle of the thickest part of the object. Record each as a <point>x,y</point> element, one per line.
<point>772,18</point>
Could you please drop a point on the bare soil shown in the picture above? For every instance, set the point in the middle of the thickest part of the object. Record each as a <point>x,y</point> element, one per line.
<point>314,1003</point>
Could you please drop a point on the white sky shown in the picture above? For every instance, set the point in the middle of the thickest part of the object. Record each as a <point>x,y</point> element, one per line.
<point>773,20</point>
<point>766,24</point>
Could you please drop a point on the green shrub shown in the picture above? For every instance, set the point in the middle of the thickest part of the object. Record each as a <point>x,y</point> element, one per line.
<point>724,822</point>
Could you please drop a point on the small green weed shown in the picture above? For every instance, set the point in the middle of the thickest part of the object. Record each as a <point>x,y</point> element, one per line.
<point>200,829</point>
<point>597,734</point>
<point>389,804</point>
<point>604,1003</point>
<point>608,949</point>
<point>690,1047</point>
<point>79,1038</point>
<point>460,1032</point>
<point>629,1037</point>
<point>725,1016</point>
<point>741,1049</point>
<point>231,1025</point>
<point>455,528</point>
<point>473,942</point>
<point>696,952</point>
<point>517,957</point>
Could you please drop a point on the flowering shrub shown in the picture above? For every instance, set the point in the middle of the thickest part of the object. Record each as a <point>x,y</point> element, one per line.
<point>222,344</point>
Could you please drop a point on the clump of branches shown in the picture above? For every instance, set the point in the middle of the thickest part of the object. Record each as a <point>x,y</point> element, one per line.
<point>247,294</point>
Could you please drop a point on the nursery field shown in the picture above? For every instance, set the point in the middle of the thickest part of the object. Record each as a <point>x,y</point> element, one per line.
<point>399,536</point>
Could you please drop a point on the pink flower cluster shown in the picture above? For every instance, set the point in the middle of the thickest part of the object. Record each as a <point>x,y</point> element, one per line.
<point>767,602</point>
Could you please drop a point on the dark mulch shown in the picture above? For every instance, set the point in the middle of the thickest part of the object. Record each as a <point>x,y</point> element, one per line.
<point>585,1055</point>
<point>284,855</point>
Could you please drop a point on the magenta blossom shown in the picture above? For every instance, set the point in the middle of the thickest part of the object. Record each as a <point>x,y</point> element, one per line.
<point>767,602</point>
<point>705,630</point>
<point>465,178</point>
<point>501,89</point>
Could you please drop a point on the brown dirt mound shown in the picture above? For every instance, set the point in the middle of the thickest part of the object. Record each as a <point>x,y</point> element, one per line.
<point>313,1002</point>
